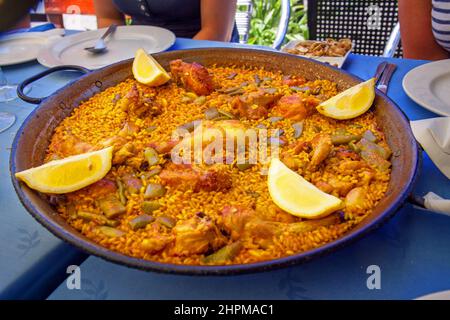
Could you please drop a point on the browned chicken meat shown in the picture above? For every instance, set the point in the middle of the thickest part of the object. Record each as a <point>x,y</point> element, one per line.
<point>296,107</point>
<point>293,81</point>
<point>70,145</point>
<point>322,147</point>
<point>255,105</point>
<point>215,178</point>
<point>193,76</point>
<point>196,236</point>
<point>136,103</point>
<point>242,223</point>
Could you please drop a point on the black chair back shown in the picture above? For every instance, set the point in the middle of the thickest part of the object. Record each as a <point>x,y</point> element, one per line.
<point>368,23</point>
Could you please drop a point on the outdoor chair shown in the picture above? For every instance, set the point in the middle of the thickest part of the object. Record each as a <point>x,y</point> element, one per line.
<point>373,31</point>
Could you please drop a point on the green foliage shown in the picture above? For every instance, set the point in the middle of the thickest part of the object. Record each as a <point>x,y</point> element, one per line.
<point>265,21</point>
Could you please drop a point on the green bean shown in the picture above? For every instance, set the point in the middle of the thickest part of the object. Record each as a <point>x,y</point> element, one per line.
<point>97,218</point>
<point>300,89</point>
<point>243,166</point>
<point>111,206</point>
<point>167,221</point>
<point>232,75</point>
<point>237,92</point>
<point>224,254</point>
<point>337,139</point>
<point>154,190</point>
<point>370,136</point>
<point>121,191</point>
<point>141,221</point>
<point>111,232</point>
<point>200,100</point>
<point>275,119</point>
<point>226,114</point>
<point>150,206</point>
<point>189,126</point>
<point>298,129</point>
<point>151,128</point>
<point>212,113</point>
<point>151,156</point>
<point>271,90</point>
<point>257,80</point>
<point>153,172</point>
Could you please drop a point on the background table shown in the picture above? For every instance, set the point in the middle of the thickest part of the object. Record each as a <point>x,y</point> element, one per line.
<point>411,249</point>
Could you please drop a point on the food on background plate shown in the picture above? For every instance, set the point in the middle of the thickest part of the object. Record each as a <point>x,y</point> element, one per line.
<point>327,48</point>
<point>328,176</point>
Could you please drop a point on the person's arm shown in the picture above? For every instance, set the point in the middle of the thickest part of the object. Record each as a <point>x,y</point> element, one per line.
<point>217,17</point>
<point>107,13</point>
<point>417,36</point>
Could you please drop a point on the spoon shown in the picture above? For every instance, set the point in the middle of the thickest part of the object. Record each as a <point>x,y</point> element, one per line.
<point>100,45</point>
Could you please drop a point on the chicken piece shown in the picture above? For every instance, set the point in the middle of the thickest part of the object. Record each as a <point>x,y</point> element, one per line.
<point>324,186</point>
<point>366,177</point>
<point>156,243</point>
<point>356,200</point>
<point>119,140</point>
<point>293,81</point>
<point>242,222</point>
<point>71,145</point>
<point>255,105</point>
<point>296,107</point>
<point>196,236</point>
<point>352,165</point>
<point>346,154</point>
<point>299,146</point>
<point>340,188</point>
<point>101,188</point>
<point>235,218</point>
<point>137,104</point>
<point>163,146</point>
<point>125,152</point>
<point>322,147</point>
<point>215,178</point>
<point>193,76</point>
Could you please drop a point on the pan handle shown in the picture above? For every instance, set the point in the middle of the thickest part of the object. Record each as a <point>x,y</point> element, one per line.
<point>40,75</point>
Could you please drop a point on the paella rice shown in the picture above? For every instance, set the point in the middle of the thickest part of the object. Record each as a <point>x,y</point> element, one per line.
<point>151,208</point>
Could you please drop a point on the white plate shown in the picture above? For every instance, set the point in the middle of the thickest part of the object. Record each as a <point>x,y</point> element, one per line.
<point>429,86</point>
<point>442,295</point>
<point>334,61</point>
<point>23,47</point>
<point>121,45</point>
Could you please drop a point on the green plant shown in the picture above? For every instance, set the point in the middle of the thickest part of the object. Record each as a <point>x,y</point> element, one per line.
<point>266,17</point>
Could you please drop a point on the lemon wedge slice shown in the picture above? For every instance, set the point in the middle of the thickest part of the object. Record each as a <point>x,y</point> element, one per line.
<point>68,174</point>
<point>293,194</point>
<point>350,103</point>
<point>148,71</point>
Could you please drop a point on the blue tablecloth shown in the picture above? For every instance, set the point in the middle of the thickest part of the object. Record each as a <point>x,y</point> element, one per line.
<point>411,249</point>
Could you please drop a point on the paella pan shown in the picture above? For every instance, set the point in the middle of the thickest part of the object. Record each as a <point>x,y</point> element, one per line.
<point>151,212</point>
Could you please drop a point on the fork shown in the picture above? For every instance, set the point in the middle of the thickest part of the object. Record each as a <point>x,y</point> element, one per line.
<point>386,77</point>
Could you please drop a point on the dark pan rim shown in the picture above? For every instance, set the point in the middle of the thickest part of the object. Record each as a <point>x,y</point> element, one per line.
<point>148,265</point>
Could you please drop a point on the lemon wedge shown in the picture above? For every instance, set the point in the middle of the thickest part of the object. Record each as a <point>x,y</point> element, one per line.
<point>350,103</point>
<point>148,71</point>
<point>68,174</point>
<point>293,194</point>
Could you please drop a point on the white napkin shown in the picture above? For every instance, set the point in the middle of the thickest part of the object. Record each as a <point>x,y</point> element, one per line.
<point>434,136</point>
<point>436,203</point>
